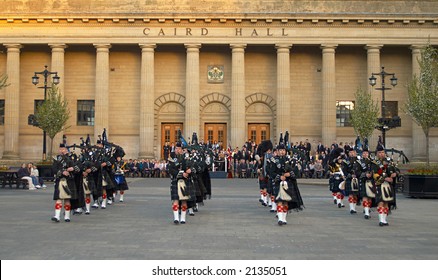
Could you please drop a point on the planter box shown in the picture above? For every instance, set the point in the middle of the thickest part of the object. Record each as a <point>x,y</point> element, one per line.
<point>421,185</point>
<point>46,172</point>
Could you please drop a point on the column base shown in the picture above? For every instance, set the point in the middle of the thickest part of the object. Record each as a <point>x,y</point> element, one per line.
<point>145,155</point>
<point>10,155</point>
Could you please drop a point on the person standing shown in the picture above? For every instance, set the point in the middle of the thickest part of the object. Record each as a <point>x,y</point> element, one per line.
<point>288,195</point>
<point>64,187</point>
<point>384,174</point>
<point>179,172</point>
<point>366,184</point>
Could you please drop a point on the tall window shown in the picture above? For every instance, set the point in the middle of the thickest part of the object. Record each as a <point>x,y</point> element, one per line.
<point>85,112</point>
<point>343,113</point>
<point>2,112</point>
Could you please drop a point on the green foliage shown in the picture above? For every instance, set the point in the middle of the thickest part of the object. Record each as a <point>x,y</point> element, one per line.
<point>365,114</point>
<point>3,81</point>
<point>53,114</point>
<point>422,102</point>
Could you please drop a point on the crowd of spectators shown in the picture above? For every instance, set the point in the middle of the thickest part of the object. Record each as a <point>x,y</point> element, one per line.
<point>240,162</point>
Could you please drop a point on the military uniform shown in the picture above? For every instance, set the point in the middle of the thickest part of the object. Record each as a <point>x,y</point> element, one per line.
<point>288,196</point>
<point>64,187</point>
<point>367,190</point>
<point>179,171</point>
<point>384,174</point>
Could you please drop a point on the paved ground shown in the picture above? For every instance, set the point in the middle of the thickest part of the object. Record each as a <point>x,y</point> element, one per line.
<point>232,225</point>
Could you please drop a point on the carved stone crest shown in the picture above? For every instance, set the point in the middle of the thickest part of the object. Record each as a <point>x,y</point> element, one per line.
<point>215,74</point>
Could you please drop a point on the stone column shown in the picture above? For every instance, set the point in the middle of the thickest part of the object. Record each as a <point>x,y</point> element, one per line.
<point>192,118</point>
<point>57,65</point>
<point>101,105</point>
<point>12,102</point>
<point>373,66</point>
<point>283,88</point>
<point>418,137</point>
<point>328,94</point>
<point>147,94</point>
<point>238,129</point>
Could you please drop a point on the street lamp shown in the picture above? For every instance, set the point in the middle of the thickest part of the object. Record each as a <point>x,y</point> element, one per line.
<point>385,123</point>
<point>35,80</point>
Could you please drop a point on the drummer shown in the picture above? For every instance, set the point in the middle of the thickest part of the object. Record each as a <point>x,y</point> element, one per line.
<point>119,177</point>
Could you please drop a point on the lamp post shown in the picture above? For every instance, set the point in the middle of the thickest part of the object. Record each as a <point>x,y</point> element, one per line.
<point>35,80</point>
<point>384,123</point>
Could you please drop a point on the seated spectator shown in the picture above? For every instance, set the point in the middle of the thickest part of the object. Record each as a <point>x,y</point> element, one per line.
<point>24,173</point>
<point>157,169</point>
<point>163,169</point>
<point>319,169</point>
<point>243,168</point>
<point>146,169</point>
<point>35,175</point>
<point>134,170</point>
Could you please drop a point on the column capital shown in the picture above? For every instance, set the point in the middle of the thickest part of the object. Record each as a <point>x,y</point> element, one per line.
<point>102,47</point>
<point>12,47</point>
<point>329,46</point>
<point>147,47</point>
<point>417,48</point>
<point>373,47</point>
<point>238,47</point>
<point>192,46</point>
<point>58,47</point>
<point>283,48</point>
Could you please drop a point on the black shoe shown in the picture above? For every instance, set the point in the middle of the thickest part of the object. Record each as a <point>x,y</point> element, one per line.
<point>264,204</point>
<point>67,220</point>
<point>335,201</point>
<point>353,211</point>
<point>280,223</point>
<point>191,214</point>
<point>381,224</point>
<point>272,211</point>
<point>195,209</point>
<point>55,219</point>
<point>339,205</point>
<point>366,217</point>
<point>87,213</point>
<point>260,200</point>
<point>182,222</point>
<point>385,224</point>
<point>77,213</point>
<point>342,205</point>
<point>176,222</point>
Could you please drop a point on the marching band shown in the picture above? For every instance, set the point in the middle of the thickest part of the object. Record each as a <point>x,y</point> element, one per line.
<point>84,172</point>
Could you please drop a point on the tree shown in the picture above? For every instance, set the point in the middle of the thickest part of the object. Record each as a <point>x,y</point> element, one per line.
<point>422,101</point>
<point>364,117</point>
<point>3,81</point>
<point>52,115</point>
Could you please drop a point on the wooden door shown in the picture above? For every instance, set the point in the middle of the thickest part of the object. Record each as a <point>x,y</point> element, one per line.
<point>169,134</point>
<point>216,132</point>
<point>258,132</point>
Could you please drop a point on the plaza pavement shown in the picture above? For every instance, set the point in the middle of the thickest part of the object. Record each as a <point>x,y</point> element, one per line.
<point>232,225</point>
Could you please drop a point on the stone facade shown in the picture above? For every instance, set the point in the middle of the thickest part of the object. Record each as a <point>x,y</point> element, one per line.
<point>285,64</point>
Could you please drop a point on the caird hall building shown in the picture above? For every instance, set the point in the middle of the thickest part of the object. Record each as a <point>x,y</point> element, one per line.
<point>230,70</point>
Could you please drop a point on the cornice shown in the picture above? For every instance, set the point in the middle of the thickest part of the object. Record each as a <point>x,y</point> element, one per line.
<point>316,20</point>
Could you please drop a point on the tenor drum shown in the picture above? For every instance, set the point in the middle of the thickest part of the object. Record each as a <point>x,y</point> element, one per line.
<point>120,179</point>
